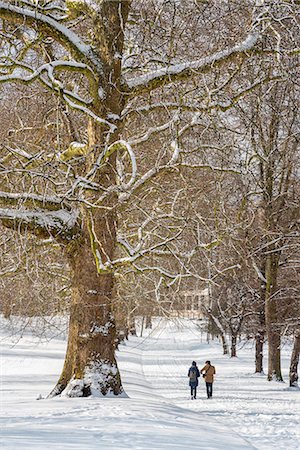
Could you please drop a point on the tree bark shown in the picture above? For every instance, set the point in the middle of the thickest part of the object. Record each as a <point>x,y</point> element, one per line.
<point>131,326</point>
<point>259,341</point>
<point>224,344</point>
<point>221,330</point>
<point>148,322</point>
<point>233,345</point>
<point>272,329</point>
<point>90,366</point>
<point>259,345</point>
<point>294,361</point>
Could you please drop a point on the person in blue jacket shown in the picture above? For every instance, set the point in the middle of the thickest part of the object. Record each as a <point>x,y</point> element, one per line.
<point>193,375</point>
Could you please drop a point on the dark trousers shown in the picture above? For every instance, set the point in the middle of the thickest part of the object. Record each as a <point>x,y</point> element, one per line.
<point>193,391</point>
<point>209,389</point>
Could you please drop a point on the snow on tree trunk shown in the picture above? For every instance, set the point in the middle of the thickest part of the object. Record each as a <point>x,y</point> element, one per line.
<point>294,361</point>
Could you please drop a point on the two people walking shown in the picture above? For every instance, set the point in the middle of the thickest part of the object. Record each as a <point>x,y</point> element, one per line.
<point>208,372</point>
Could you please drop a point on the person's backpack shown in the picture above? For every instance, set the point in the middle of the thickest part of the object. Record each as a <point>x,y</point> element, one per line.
<point>193,374</point>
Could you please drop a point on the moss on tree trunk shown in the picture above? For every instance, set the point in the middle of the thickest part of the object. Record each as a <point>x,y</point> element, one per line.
<point>90,366</point>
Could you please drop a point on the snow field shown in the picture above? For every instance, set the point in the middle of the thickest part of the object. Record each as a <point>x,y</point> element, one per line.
<point>246,411</point>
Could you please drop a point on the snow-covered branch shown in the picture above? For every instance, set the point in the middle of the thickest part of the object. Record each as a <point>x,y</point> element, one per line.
<point>88,112</point>
<point>61,223</point>
<point>152,131</point>
<point>198,107</point>
<point>52,10</point>
<point>19,152</point>
<point>66,37</point>
<point>258,271</point>
<point>209,167</point>
<point>135,254</point>
<point>122,145</point>
<point>9,270</point>
<point>140,253</point>
<point>19,75</point>
<point>167,75</point>
<point>40,200</point>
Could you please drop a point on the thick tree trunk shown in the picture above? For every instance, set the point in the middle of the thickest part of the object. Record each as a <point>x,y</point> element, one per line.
<point>274,355</point>
<point>272,328</point>
<point>294,361</point>
<point>90,366</point>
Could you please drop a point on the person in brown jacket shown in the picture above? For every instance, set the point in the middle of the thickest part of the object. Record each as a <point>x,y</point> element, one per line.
<point>209,372</point>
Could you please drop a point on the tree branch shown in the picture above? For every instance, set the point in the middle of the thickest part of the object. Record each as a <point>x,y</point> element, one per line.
<point>168,75</point>
<point>62,224</point>
<point>59,32</point>
<point>51,203</point>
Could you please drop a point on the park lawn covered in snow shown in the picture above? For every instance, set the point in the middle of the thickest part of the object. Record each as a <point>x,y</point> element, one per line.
<point>246,411</point>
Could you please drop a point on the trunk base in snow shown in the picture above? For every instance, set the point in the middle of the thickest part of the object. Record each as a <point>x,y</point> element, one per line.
<point>275,377</point>
<point>77,388</point>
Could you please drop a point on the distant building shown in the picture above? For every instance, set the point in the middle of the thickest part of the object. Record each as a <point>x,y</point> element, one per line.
<point>193,302</point>
<point>188,303</point>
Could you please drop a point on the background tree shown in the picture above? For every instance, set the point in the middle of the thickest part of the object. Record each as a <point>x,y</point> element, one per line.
<point>294,361</point>
<point>274,143</point>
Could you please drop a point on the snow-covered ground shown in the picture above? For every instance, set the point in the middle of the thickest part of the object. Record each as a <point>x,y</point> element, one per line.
<point>246,411</point>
